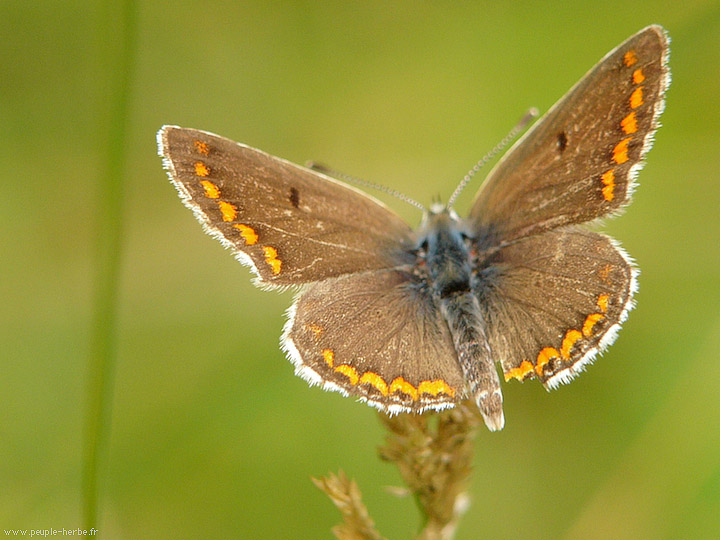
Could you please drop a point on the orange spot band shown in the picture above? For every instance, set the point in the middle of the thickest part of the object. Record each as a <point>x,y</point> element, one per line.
<point>638,76</point>
<point>438,386</point>
<point>545,355</point>
<point>201,169</point>
<point>571,337</point>
<point>629,123</point>
<point>350,372</point>
<point>520,372</point>
<point>604,273</point>
<point>317,330</point>
<point>228,210</point>
<point>608,181</point>
<point>401,385</point>
<point>272,259</point>
<point>636,98</point>
<point>375,380</point>
<point>620,152</point>
<point>630,58</point>
<point>248,233</point>
<point>202,147</point>
<point>211,190</point>
<point>590,322</point>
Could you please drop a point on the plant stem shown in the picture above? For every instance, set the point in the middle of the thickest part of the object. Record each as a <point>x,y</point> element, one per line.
<point>119,55</point>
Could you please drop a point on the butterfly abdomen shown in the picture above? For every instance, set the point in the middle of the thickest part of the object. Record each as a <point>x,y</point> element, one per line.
<point>462,313</point>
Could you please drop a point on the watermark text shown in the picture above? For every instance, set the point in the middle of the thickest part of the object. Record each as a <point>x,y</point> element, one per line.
<point>51,532</point>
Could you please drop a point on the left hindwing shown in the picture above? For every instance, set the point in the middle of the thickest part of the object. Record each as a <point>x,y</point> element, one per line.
<point>285,221</point>
<point>568,290</point>
<point>578,162</point>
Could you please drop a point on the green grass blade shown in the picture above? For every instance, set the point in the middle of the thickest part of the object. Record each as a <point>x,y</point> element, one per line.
<point>120,21</point>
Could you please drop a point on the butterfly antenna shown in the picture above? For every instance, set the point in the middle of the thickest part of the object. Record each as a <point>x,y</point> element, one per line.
<point>319,167</point>
<point>514,132</point>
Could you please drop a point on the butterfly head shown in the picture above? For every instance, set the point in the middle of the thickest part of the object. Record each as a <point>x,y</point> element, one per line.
<point>438,216</point>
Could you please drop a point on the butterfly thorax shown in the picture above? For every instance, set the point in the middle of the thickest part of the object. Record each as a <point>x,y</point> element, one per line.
<point>445,261</point>
<point>445,251</point>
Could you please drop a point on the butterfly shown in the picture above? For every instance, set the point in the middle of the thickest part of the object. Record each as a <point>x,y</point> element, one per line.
<point>413,320</point>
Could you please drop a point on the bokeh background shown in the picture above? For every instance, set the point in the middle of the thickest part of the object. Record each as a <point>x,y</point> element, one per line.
<point>211,434</point>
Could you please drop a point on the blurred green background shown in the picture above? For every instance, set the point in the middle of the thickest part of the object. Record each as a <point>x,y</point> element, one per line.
<point>212,436</point>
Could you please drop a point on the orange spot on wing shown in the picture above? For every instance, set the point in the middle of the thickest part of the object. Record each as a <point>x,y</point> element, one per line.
<point>211,190</point>
<point>604,272</point>
<point>638,76</point>
<point>202,147</point>
<point>571,337</point>
<point>375,380</point>
<point>435,387</point>
<point>520,372</point>
<point>272,259</point>
<point>201,169</point>
<point>629,123</point>
<point>602,302</point>
<point>315,329</point>
<point>350,372</point>
<point>329,357</point>
<point>545,355</point>
<point>630,58</point>
<point>590,321</point>
<point>620,152</point>
<point>401,385</point>
<point>248,233</point>
<point>608,180</point>
<point>228,210</point>
<point>636,98</point>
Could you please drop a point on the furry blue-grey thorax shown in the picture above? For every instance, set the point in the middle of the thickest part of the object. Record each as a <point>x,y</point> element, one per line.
<point>447,253</point>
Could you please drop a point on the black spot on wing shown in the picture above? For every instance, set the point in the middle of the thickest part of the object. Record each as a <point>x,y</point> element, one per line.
<point>562,141</point>
<point>294,197</point>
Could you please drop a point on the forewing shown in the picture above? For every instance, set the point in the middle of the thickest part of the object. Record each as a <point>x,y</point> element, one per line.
<point>292,225</point>
<point>378,336</point>
<point>553,301</point>
<point>579,161</point>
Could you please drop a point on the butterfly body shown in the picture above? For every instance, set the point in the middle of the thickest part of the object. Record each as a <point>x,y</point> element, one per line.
<point>415,320</point>
<point>453,275</point>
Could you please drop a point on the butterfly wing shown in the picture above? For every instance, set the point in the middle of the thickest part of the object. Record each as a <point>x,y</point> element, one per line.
<point>568,290</point>
<point>579,161</point>
<point>284,221</point>
<point>361,325</point>
<point>379,336</point>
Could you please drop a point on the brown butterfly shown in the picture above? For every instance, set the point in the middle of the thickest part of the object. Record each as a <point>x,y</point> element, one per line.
<point>410,320</point>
